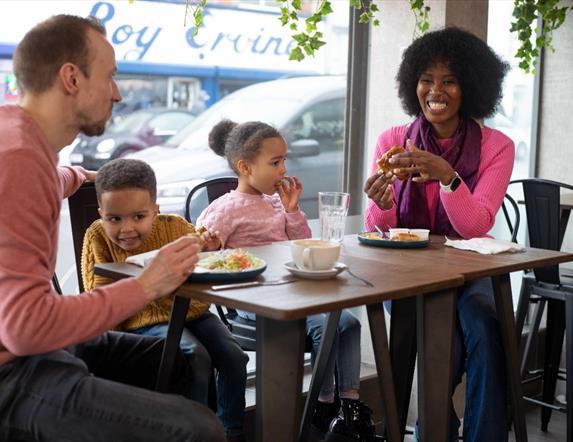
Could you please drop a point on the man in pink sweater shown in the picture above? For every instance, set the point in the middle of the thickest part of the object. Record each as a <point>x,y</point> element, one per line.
<point>62,377</point>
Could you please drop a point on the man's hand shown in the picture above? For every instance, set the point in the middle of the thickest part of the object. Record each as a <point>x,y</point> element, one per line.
<point>289,191</point>
<point>170,268</point>
<point>90,175</point>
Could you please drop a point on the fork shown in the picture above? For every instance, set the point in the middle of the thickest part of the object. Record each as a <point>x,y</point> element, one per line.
<point>368,283</point>
<point>241,285</point>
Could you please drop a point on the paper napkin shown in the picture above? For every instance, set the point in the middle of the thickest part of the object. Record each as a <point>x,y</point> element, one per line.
<point>485,246</point>
<point>142,259</point>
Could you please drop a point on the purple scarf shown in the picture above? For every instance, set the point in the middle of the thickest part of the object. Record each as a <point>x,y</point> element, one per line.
<point>464,157</point>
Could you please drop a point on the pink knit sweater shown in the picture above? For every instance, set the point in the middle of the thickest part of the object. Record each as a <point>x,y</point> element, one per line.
<point>33,318</point>
<point>471,214</point>
<point>251,220</point>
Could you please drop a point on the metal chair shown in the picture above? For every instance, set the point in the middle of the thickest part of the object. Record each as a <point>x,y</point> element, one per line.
<point>546,224</point>
<point>514,221</point>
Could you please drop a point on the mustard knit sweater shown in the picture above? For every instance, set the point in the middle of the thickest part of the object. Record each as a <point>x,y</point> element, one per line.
<point>98,248</point>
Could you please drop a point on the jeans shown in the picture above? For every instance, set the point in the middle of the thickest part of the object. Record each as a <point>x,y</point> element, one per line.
<point>345,352</point>
<point>100,391</point>
<point>207,343</point>
<point>478,351</point>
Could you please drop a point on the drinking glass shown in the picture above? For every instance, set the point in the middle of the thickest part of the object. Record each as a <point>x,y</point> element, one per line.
<point>332,209</point>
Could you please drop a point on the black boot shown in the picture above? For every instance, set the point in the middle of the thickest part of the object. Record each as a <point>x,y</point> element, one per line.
<point>323,415</point>
<point>353,423</point>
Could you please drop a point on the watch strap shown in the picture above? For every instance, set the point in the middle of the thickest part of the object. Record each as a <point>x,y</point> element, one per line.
<point>453,185</point>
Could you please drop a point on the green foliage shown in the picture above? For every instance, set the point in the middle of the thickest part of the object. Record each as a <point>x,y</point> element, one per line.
<point>549,14</point>
<point>309,39</point>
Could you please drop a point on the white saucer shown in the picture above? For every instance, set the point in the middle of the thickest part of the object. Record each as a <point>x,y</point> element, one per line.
<point>315,274</point>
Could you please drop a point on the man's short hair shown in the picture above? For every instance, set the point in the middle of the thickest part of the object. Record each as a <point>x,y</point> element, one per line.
<point>49,45</point>
<point>124,173</point>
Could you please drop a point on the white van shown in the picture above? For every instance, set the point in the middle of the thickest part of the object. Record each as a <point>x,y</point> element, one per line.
<point>308,111</point>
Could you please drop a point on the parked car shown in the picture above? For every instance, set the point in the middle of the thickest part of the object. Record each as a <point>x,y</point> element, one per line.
<point>308,111</point>
<point>133,133</point>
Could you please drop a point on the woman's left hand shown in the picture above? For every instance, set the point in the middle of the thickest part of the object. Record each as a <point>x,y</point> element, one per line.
<point>428,165</point>
<point>289,191</point>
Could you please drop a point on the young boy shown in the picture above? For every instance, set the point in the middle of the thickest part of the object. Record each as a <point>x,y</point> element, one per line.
<point>130,224</point>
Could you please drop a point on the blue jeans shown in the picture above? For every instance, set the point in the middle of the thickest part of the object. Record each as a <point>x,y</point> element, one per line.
<point>478,351</point>
<point>207,343</point>
<point>345,350</point>
<point>101,390</point>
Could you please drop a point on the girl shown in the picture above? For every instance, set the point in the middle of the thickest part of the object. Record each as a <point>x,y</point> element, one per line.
<point>257,152</point>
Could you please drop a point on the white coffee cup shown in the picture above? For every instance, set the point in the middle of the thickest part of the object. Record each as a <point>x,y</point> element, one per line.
<point>315,254</point>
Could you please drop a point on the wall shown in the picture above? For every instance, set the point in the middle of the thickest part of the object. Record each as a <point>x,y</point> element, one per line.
<point>555,131</point>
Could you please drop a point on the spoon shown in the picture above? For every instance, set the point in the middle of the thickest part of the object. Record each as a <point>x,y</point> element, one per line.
<point>379,231</point>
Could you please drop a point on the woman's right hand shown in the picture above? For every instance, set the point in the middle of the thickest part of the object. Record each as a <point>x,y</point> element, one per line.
<point>379,189</point>
<point>170,267</point>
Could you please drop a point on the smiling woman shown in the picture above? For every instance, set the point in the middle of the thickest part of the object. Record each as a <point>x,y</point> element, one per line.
<point>453,178</point>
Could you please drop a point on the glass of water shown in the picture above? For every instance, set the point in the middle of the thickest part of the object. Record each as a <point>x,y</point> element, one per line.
<point>332,209</point>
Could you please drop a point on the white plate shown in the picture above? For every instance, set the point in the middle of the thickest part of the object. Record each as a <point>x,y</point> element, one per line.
<point>315,274</point>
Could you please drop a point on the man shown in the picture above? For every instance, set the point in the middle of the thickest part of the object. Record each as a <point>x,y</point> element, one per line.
<point>62,377</point>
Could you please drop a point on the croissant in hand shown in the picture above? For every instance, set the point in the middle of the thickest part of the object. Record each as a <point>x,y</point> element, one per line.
<point>385,166</point>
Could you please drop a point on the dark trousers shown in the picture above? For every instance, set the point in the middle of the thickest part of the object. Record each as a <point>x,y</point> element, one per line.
<point>100,390</point>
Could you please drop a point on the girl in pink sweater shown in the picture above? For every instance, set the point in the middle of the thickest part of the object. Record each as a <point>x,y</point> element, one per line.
<point>263,209</point>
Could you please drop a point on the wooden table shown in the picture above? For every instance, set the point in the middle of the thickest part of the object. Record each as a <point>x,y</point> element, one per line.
<point>424,283</point>
<point>405,314</point>
<point>281,313</point>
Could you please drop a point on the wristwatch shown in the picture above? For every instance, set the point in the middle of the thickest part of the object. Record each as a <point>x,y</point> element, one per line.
<point>454,184</point>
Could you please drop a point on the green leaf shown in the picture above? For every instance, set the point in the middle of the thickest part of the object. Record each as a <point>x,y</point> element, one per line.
<point>296,54</point>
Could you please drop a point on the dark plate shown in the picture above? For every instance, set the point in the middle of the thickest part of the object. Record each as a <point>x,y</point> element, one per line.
<point>203,275</point>
<point>392,244</point>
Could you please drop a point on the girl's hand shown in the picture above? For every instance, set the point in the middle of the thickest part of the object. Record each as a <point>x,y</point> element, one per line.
<point>379,189</point>
<point>426,164</point>
<point>289,191</point>
<point>211,240</point>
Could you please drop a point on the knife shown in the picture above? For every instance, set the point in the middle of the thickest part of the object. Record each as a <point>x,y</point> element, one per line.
<point>235,286</point>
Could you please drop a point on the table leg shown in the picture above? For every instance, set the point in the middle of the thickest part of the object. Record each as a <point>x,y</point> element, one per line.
<point>504,308</point>
<point>280,357</point>
<point>436,320</point>
<point>328,335</point>
<point>174,331</point>
<point>377,324</point>
<point>403,353</point>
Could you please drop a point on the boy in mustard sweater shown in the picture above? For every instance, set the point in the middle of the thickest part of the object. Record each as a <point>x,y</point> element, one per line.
<point>130,224</point>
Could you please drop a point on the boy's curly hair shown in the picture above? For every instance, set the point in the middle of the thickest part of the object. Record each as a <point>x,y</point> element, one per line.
<point>124,173</point>
<point>477,68</point>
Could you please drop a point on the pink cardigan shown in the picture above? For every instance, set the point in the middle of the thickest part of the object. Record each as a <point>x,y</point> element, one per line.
<point>471,214</point>
<point>250,220</point>
<point>33,318</point>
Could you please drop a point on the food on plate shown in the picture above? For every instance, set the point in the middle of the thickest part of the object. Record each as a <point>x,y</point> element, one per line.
<point>372,235</point>
<point>236,260</point>
<point>383,164</point>
<point>406,237</point>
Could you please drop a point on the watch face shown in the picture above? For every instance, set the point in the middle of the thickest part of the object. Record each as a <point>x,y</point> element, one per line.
<point>455,183</point>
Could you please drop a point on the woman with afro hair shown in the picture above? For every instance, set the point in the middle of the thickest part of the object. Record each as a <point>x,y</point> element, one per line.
<point>451,179</point>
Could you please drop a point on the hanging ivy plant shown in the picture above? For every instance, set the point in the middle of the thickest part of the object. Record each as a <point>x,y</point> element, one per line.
<point>309,39</point>
<point>526,13</point>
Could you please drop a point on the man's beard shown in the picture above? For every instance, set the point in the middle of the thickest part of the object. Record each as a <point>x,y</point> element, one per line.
<point>93,129</point>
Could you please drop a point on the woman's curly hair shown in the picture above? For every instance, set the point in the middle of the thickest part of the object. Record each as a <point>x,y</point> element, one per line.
<point>477,68</point>
<point>239,141</point>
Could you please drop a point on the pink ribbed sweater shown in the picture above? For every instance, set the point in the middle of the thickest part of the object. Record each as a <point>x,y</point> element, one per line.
<point>33,318</point>
<point>251,220</point>
<point>471,214</point>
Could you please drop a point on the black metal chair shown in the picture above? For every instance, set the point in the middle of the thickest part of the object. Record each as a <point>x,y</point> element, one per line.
<point>512,219</point>
<point>546,223</point>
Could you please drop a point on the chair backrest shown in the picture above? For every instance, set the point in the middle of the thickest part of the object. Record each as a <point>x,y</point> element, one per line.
<point>83,212</point>
<point>205,193</point>
<point>542,206</point>
<point>510,211</point>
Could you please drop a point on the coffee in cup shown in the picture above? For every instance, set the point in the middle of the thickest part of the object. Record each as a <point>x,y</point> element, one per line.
<point>315,254</point>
